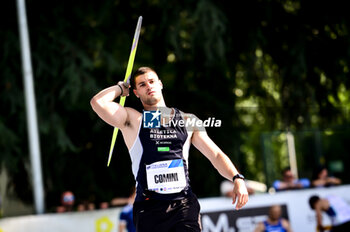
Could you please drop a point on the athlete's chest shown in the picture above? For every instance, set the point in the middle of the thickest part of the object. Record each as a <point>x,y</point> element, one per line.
<point>164,136</point>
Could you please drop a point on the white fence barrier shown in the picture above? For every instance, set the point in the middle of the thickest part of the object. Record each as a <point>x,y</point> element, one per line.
<point>89,221</point>
<point>218,214</point>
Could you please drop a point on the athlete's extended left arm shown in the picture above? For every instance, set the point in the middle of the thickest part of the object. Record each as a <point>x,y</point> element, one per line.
<point>222,163</point>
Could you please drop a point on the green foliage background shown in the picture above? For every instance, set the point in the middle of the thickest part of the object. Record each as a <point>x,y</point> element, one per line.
<point>262,67</point>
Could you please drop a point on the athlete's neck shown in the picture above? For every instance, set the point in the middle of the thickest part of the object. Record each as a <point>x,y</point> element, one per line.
<point>159,105</point>
<point>273,221</point>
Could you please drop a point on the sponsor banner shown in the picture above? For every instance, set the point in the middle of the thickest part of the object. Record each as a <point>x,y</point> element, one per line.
<point>218,214</point>
<point>88,221</point>
<point>242,220</point>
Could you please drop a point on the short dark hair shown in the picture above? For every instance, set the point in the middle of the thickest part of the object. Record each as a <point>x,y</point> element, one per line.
<point>317,171</point>
<point>284,170</point>
<point>138,72</point>
<point>313,200</point>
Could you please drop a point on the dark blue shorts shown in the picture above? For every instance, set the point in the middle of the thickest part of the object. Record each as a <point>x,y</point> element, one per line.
<point>167,216</point>
<point>341,228</point>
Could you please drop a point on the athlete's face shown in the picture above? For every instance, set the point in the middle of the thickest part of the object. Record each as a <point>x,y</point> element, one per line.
<point>288,176</point>
<point>148,88</point>
<point>323,174</point>
<point>275,212</point>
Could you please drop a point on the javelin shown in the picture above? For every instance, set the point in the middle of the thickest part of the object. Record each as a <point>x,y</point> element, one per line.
<point>126,80</point>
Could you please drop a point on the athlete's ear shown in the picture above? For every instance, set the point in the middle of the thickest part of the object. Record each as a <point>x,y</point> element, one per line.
<point>161,84</point>
<point>134,90</point>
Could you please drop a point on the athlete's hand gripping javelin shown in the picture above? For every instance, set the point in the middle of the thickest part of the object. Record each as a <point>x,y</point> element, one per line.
<point>124,87</point>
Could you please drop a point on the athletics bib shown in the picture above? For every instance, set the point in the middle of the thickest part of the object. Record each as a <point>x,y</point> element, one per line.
<point>166,176</point>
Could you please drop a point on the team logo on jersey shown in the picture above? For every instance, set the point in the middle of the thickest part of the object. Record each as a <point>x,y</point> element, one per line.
<point>151,119</point>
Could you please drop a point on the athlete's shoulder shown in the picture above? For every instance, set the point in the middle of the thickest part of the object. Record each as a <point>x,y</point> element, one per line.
<point>132,111</point>
<point>285,223</point>
<point>128,208</point>
<point>260,227</point>
<point>192,121</point>
<point>133,114</point>
<point>187,115</point>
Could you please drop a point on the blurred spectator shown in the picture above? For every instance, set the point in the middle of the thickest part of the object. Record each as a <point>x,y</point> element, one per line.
<point>320,178</point>
<point>81,207</point>
<point>104,205</point>
<point>226,187</point>
<point>126,222</point>
<point>336,208</point>
<point>290,182</point>
<point>67,202</point>
<point>91,206</point>
<point>86,206</point>
<point>274,222</point>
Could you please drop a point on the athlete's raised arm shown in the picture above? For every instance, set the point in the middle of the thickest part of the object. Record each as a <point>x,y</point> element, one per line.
<point>108,110</point>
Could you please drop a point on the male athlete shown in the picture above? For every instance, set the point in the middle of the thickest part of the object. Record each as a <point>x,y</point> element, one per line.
<point>336,208</point>
<point>164,199</point>
<point>274,222</point>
